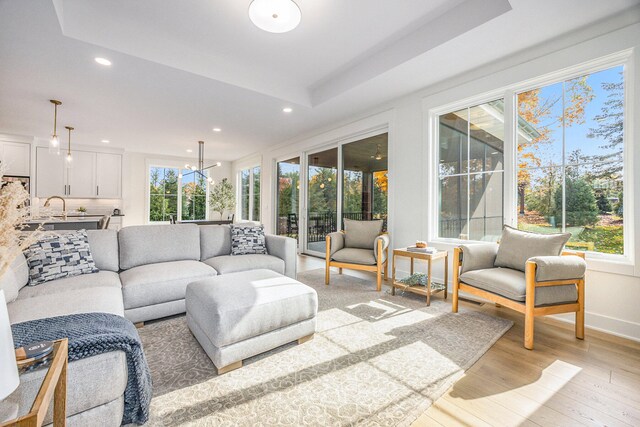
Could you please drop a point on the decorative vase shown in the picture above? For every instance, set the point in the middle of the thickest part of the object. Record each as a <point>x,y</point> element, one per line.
<point>9,379</point>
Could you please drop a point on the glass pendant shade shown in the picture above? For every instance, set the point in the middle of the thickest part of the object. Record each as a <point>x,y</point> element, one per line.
<point>275,16</point>
<point>69,159</point>
<point>54,145</point>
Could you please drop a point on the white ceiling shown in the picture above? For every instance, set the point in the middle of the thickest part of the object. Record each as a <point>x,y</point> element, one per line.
<point>181,68</point>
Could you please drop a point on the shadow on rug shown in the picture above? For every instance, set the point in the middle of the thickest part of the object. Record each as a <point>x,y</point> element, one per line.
<point>376,359</point>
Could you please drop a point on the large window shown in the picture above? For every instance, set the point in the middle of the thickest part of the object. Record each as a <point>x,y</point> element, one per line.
<point>176,196</point>
<point>471,169</point>
<point>568,174</point>
<point>249,180</point>
<point>570,162</point>
<point>288,197</point>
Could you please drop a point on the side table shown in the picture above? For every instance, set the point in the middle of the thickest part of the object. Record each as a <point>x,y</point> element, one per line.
<point>420,290</point>
<point>54,385</point>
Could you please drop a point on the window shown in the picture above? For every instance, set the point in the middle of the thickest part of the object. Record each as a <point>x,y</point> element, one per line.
<point>166,202</point>
<point>570,160</point>
<point>163,193</point>
<point>471,172</point>
<point>250,194</point>
<point>568,175</point>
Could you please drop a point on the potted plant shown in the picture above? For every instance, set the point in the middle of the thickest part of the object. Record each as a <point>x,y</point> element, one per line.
<point>222,198</point>
<point>82,210</point>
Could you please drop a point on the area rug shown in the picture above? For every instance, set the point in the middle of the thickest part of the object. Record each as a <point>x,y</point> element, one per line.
<point>376,359</point>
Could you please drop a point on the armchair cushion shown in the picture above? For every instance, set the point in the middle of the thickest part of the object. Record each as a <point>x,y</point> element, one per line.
<point>559,267</point>
<point>361,234</point>
<point>511,284</point>
<point>385,244</point>
<point>337,242</point>
<point>355,256</point>
<point>478,257</point>
<point>516,247</point>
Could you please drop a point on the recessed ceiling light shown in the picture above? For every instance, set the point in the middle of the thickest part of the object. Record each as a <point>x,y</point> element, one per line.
<point>287,109</point>
<point>217,129</point>
<point>105,141</point>
<point>103,61</point>
<point>189,150</point>
<point>275,16</point>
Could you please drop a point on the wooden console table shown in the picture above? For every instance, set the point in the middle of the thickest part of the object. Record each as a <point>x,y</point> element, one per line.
<point>54,385</point>
<point>417,289</point>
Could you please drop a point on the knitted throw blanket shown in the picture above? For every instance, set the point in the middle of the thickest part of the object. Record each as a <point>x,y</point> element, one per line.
<point>91,334</point>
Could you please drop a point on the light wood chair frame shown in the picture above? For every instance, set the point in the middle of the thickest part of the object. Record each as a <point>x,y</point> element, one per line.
<point>528,307</point>
<point>380,268</point>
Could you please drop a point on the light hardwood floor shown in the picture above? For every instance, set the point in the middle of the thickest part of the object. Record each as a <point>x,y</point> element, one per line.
<point>562,382</point>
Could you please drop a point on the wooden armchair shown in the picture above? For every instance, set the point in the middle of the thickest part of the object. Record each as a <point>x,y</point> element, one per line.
<point>548,285</point>
<point>366,250</point>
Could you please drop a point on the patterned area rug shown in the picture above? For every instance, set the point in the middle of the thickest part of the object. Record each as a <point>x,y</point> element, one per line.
<point>376,359</point>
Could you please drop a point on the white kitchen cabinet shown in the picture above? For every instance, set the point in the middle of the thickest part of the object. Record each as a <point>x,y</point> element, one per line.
<point>108,175</point>
<point>93,175</point>
<point>81,178</point>
<point>51,179</point>
<point>15,158</point>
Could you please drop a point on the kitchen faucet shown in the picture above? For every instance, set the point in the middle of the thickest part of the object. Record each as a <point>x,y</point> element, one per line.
<point>64,205</point>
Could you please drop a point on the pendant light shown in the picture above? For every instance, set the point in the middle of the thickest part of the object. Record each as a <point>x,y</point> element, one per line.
<point>69,157</point>
<point>275,16</point>
<point>54,142</point>
<point>200,169</point>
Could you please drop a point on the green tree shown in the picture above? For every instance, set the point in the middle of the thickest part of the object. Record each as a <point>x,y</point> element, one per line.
<point>604,205</point>
<point>580,203</point>
<point>620,205</point>
<point>610,128</point>
<point>222,198</point>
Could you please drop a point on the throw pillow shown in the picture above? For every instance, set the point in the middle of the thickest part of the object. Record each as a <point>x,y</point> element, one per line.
<point>58,256</point>
<point>517,246</point>
<point>361,234</point>
<point>248,239</point>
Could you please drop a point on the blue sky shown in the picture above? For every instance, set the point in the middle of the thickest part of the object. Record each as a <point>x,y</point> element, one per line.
<point>576,134</point>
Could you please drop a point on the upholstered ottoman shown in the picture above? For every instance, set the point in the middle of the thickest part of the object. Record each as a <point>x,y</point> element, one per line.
<point>238,315</point>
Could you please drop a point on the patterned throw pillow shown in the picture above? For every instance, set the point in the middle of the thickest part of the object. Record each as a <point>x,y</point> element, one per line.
<point>248,240</point>
<point>55,257</point>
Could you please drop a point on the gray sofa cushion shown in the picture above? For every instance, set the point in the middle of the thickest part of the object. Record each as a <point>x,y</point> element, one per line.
<point>516,247</point>
<point>234,307</point>
<point>361,234</point>
<point>559,267</point>
<point>102,299</point>
<point>157,283</point>
<point>215,240</point>
<point>478,256</point>
<point>150,244</point>
<point>107,279</point>
<point>16,278</point>
<point>286,249</point>
<point>511,284</point>
<point>55,256</point>
<point>355,256</point>
<point>234,263</point>
<point>104,248</point>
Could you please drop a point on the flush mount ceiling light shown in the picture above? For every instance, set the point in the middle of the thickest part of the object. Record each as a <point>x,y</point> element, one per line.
<point>287,109</point>
<point>105,141</point>
<point>103,61</point>
<point>217,129</point>
<point>54,142</point>
<point>275,16</point>
<point>200,169</point>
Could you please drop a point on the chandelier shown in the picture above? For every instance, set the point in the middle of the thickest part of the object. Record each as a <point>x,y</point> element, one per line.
<point>200,169</point>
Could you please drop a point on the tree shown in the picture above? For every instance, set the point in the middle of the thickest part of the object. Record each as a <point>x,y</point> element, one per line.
<point>611,129</point>
<point>604,205</point>
<point>580,203</point>
<point>222,198</point>
<point>620,205</point>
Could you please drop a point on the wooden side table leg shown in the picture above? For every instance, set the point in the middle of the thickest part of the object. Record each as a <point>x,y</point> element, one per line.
<point>411,265</point>
<point>393,274</point>
<point>446,274</point>
<point>60,398</point>
<point>429,283</point>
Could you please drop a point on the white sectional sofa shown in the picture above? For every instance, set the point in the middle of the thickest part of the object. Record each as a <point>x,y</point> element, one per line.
<point>144,272</point>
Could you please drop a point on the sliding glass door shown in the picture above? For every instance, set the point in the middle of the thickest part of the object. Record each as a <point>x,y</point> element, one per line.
<point>288,198</point>
<point>364,179</point>
<point>322,198</point>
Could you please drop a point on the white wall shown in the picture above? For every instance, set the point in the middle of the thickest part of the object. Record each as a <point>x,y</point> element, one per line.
<point>135,168</point>
<point>613,291</point>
